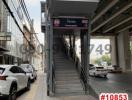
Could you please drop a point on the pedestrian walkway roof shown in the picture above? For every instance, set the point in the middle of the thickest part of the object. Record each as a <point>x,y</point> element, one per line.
<point>73,7</point>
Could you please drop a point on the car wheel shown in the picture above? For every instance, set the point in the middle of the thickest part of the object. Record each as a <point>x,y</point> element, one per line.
<point>28,85</point>
<point>105,76</point>
<point>36,78</point>
<point>13,93</point>
<point>33,80</point>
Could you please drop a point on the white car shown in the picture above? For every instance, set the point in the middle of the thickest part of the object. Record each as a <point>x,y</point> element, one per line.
<point>12,80</point>
<point>30,71</point>
<point>110,68</point>
<point>98,71</point>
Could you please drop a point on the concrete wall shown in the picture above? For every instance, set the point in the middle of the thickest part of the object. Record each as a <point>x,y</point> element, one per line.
<point>113,50</point>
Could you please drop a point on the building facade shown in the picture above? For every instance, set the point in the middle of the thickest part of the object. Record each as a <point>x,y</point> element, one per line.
<point>15,32</point>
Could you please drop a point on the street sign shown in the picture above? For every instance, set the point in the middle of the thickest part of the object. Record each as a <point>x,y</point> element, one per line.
<point>70,23</point>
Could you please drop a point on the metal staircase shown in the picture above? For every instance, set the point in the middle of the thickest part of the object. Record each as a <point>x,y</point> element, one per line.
<point>67,81</point>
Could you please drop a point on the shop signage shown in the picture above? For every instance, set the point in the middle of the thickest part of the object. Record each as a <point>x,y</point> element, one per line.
<point>70,23</point>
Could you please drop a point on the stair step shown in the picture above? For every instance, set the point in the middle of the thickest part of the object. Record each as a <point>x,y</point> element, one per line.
<point>67,81</point>
<point>70,94</point>
<point>67,90</point>
<point>66,75</point>
<point>68,85</point>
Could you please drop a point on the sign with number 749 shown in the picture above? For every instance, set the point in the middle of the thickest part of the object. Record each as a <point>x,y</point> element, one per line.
<point>101,49</point>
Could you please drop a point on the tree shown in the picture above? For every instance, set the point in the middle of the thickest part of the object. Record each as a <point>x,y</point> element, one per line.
<point>105,58</point>
<point>98,61</point>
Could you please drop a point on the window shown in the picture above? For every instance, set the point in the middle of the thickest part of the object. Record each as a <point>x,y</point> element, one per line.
<point>2,70</point>
<point>21,70</point>
<point>92,68</point>
<point>16,69</point>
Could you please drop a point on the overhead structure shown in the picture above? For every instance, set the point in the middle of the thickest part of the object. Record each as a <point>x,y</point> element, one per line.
<point>112,17</point>
<point>67,18</point>
<point>72,7</point>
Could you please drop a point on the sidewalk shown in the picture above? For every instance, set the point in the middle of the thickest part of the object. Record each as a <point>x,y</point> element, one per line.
<point>38,92</point>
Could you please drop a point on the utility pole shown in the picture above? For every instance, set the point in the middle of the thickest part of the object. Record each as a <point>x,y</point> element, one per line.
<point>31,43</point>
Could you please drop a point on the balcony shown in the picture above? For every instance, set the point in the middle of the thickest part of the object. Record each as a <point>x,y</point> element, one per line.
<point>4,37</point>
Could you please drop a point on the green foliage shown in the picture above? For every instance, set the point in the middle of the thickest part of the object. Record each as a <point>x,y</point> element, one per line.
<point>98,61</point>
<point>104,58</point>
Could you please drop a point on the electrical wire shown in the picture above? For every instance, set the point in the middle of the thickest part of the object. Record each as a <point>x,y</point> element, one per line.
<point>8,8</point>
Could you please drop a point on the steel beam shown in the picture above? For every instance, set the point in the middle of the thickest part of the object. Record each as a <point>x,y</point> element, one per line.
<point>112,17</point>
<point>104,10</point>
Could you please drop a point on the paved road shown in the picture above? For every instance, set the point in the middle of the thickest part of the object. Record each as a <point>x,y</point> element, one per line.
<point>115,83</point>
<point>38,92</point>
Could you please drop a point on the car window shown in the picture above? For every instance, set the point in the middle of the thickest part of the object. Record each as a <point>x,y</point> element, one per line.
<point>99,67</point>
<point>91,65</point>
<point>33,68</point>
<point>2,70</point>
<point>91,68</point>
<point>21,70</point>
<point>27,68</point>
<point>14,69</point>
<point>30,68</point>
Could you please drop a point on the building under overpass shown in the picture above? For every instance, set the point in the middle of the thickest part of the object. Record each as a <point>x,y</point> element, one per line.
<point>99,18</point>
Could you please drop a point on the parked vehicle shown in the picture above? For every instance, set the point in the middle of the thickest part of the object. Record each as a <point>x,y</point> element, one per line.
<point>30,71</point>
<point>91,65</point>
<point>12,80</point>
<point>98,71</point>
<point>109,68</point>
<point>114,69</point>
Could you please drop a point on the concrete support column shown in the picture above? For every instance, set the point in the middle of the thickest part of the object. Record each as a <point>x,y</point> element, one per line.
<point>82,49</point>
<point>70,39</point>
<point>74,39</point>
<point>84,58</point>
<point>124,51</point>
<point>51,58</point>
<point>114,55</point>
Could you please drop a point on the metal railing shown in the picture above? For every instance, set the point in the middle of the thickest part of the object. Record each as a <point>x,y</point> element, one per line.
<point>53,78</point>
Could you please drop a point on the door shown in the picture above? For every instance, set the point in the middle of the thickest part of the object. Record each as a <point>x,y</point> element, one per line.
<point>24,77</point>
<point>20,76</point>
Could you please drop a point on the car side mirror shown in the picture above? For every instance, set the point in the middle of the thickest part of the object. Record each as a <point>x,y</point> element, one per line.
<point>25,73</point>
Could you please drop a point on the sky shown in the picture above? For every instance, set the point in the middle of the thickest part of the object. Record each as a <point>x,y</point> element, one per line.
<point>34,10</point>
